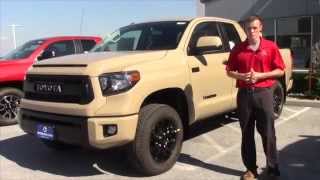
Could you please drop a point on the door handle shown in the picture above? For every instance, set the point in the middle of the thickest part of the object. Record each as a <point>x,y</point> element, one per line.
<point>195,69</point>
<point>225,62</point>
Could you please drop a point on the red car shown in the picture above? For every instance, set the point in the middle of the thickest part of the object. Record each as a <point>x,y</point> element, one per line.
<point>14,66</point>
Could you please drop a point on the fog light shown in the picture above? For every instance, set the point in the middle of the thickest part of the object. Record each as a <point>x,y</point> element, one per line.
<point>109,130</point>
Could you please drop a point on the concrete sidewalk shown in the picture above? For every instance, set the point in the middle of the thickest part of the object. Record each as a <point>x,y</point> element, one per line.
<point>292,101</point>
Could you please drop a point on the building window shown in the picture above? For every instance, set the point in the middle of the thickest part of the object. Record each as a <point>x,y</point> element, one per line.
<point>269,29</point>
<point>295,33</point>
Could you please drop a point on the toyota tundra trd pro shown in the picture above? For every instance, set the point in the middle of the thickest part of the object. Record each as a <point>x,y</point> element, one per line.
<point>142,87</point>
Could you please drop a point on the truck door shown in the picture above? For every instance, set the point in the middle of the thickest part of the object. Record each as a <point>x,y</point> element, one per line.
<point>211,87</point>
<point>58,48</point>
<point>231,37</point>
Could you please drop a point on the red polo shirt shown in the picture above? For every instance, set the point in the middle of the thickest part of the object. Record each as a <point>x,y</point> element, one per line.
<point>266,58</point>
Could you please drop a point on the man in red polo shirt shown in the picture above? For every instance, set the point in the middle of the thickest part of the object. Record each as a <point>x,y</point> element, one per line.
<point>255,63</point>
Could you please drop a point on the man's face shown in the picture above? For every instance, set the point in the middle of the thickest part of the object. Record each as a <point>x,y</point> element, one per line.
<point>253,30</point>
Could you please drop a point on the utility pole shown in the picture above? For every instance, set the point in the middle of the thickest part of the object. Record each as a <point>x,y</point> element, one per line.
<point>81,20</point>
<point>13,29</point>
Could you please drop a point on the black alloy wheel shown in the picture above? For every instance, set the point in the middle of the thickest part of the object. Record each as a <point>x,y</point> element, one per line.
<point>9,105</point>
<point>163,140</point>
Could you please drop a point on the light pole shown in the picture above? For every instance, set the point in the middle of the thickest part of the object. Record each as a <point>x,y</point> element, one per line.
<point>81,20</point>
<point>13,29</point>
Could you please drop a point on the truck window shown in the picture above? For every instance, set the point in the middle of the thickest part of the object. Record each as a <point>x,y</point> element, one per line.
<point>162,35</point>
<point>24,51</point>
<point>205,29</point>
<point>62,48</point>
<point>87,44</point>
<point>232,34</point>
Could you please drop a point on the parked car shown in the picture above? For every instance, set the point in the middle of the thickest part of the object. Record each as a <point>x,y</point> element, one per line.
<point>14,66</point>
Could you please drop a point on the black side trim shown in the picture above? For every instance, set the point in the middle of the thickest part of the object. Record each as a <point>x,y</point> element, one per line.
<point>59,65</point>
<point>210,96</point>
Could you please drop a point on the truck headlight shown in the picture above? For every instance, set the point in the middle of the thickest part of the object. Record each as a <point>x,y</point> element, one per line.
<point>114,83</point>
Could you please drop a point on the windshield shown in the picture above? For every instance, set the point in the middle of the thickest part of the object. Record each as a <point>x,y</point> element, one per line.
<point>147,36</point>
<point>24,51</point>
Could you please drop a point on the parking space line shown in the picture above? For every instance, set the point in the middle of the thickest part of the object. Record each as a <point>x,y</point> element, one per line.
<point>231,127</point>
<point>212,142</point>
<point>234,119</point>
<point>292,116</point>
<point>238,145</point>
<point>289,109</point>
<point>232,148</point>
<point>184,166</point>
<point>95,165</point>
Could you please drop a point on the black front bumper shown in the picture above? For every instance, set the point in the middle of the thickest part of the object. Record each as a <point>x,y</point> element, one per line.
<point>67,129</point>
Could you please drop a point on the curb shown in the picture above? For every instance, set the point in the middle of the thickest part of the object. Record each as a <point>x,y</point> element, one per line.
<point>302,102</point>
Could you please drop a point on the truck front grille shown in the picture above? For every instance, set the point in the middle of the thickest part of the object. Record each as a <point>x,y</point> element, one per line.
<point>53,88</point>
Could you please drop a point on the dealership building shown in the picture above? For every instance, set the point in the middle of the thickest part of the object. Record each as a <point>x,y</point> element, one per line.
<point>293,24</point>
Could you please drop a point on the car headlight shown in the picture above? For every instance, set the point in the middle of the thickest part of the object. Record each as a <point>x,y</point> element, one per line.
<point>114,83</point>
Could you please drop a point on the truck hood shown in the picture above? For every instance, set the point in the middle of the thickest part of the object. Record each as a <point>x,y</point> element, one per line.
<point>13,70</point>
<point>100,62</point>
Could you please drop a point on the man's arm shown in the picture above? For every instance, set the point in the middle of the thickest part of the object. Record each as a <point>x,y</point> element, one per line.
<point>239,76</point>
<point>253,77</point>
<point>257,76</point>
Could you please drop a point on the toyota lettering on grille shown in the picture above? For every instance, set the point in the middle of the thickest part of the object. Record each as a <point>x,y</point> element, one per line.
<point>48,88</point>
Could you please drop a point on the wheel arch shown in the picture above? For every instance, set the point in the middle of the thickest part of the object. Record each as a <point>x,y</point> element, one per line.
<point>175,98</point>
<point>12,84</point>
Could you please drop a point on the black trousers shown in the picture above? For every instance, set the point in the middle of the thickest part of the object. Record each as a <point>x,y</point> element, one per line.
<point>255,107</point>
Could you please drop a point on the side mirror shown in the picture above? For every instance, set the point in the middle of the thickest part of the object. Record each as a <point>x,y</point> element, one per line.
<point>213,42</point>
<point>205,45</point>
<point>47,54</point>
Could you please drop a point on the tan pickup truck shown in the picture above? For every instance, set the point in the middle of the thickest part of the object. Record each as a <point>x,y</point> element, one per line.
<point>142,87</point>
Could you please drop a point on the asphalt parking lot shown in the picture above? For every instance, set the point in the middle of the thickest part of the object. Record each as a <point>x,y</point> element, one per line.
<point>211,152</point>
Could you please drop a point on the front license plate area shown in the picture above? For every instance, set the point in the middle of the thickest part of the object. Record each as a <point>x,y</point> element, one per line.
<point>45,132</point>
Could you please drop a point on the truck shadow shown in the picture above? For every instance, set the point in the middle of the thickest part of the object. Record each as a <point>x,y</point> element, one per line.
<point>28,152</point>
<point>209,124</point>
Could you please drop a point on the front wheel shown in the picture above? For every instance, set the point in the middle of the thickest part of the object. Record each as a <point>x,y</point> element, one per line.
<point>158,139</point>
<point>9,105</point>
<point>278,99</point>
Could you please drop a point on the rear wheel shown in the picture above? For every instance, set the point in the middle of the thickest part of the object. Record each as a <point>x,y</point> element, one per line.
<point>9,105</point>
<point>158,139</point>
<point>278,99</point>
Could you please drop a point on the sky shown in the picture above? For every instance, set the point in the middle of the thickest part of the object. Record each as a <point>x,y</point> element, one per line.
<point>45,18</point>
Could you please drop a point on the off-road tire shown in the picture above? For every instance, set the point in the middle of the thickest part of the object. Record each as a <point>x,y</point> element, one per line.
<point>154,118</point>
<point>278,99</point>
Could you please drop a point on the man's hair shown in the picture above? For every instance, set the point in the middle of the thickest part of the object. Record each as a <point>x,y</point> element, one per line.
<point>253,18</point>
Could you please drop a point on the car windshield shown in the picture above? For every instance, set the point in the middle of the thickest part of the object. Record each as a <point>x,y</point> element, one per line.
<point>24,51</point>
<point>146,36</point>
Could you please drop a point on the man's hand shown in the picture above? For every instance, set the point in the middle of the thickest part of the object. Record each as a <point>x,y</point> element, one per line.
<point>255,76</point>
